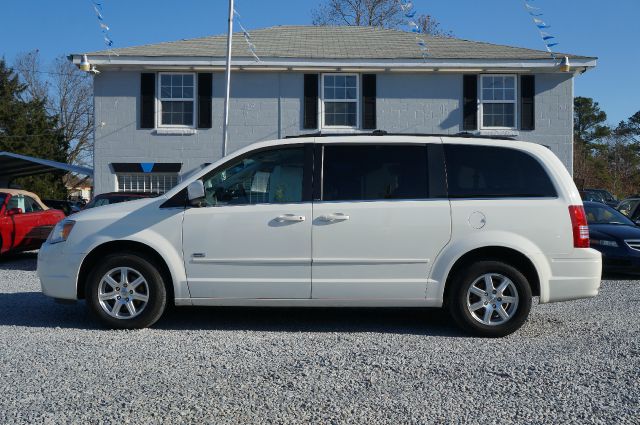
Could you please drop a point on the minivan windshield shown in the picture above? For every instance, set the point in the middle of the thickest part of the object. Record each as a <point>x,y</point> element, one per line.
<point>602,214</point>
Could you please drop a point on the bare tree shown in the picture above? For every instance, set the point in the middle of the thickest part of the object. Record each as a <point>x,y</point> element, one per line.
<point>68,95</point>
<point>429,25</point>
<point>373,13</point>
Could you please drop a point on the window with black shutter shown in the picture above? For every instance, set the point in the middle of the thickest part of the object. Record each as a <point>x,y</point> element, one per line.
<point>527,102</point>
<point>470,102</point>
<point>310,114</point>
<point>369,101</point>
<point>147,100</point>
<point>205,93</point>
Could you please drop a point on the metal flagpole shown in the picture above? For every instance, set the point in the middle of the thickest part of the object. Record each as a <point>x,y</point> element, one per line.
<point>225,130</point>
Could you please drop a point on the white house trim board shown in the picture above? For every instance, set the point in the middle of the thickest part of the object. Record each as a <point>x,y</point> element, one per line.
<point>387,64</point>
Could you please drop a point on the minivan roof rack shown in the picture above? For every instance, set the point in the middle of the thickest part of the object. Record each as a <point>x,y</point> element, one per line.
<point>385,133</point>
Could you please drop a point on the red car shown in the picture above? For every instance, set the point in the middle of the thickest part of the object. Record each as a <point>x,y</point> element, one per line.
<point>25,222</point>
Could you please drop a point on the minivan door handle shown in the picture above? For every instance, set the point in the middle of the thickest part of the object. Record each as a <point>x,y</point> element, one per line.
<point>334,217</point>
<point>290,218</point>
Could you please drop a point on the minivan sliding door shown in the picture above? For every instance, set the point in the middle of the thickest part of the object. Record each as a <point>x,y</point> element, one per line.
<point>379,220</point>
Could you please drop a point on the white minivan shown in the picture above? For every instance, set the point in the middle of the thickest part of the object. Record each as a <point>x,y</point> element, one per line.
<point>478,225</point>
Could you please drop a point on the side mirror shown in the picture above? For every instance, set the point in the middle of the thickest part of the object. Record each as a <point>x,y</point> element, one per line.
<point>195,191</point>
<point>14,211</point>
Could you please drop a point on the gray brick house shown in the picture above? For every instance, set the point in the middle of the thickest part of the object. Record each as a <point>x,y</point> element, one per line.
<point>159,107</point>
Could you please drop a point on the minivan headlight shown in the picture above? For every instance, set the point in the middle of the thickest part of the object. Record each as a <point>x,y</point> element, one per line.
<point>60,233</point>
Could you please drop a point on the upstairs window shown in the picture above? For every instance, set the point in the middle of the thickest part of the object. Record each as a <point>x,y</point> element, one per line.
<point>340,100</point>
<point>177,100</point>
<point>498,101</point>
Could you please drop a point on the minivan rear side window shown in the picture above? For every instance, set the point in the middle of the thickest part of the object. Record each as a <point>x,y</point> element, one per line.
<point>495,172</point>
<point>374,172</point>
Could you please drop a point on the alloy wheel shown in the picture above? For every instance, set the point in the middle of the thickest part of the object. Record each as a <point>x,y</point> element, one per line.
<point>123,293</point>
<point>492,299</point>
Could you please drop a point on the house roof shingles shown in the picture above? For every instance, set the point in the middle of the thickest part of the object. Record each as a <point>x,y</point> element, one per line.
<point>329,42</point>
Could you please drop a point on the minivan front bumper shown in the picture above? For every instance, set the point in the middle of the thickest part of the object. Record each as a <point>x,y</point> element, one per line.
<point>573,277</point>
<point>58,271</point>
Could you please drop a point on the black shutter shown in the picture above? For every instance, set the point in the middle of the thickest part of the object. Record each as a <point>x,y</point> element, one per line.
<point>369,101</point>
<point>527,103</point>
<point>147,100</point>
<point>310,119</point>
<point>470,102</point>
<point>205,82</point>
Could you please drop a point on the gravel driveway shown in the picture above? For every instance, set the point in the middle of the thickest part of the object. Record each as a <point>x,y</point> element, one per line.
<point>576,362</point>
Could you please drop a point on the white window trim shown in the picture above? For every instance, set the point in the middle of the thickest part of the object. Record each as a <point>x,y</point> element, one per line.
<point>159,100</point>
<point>514,102</point>
<point>356,101</point>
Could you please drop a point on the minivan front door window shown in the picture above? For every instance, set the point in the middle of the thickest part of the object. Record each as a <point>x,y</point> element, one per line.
<point>267,177</point>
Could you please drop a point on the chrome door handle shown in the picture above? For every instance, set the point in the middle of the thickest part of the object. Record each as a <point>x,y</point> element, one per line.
<point>334,217</point>
<point>290,218</point>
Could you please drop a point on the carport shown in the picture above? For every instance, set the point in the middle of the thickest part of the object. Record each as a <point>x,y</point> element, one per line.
<point>13,165</point>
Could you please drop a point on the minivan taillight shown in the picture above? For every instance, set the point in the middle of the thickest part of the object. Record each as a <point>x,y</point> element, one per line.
<point>579,225</point>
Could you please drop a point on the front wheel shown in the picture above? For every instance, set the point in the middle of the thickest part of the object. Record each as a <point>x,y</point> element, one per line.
<point>126,291</point>
<point>490,299</point>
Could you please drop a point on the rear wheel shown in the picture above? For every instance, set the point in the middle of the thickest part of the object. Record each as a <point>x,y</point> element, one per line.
<point>490,299</point>
<point>126,291</point>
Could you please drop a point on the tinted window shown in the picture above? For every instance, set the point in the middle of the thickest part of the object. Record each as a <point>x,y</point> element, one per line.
<point>374,172</point>
<point>31,205</point>
<point>16,201</point>
<point>627,207</point>
<point>3,196</point>
<point>492,172</point>
<point>273,177</point>
<point>602,214</point>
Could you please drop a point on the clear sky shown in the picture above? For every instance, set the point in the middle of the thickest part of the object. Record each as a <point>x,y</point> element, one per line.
<point>606,29</point>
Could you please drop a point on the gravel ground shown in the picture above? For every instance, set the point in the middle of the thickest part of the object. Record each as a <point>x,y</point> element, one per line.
<point>576,362</point>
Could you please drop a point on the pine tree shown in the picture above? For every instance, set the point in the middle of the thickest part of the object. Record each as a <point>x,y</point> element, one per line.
<point>27,129</point>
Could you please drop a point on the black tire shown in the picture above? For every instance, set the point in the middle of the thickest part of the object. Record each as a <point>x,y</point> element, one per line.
<point>156,291</point>
<point>458,293</point>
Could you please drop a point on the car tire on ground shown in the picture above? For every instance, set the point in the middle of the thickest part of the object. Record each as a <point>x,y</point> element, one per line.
<point>489,299</point>
<point>126,291</point>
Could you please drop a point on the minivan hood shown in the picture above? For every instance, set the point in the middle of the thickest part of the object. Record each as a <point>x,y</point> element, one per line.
<point>119,209</point>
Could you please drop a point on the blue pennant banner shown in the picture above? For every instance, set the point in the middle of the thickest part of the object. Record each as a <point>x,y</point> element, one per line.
<point>547,39</point>
<point>247,37</point>
<point>409,12</point>
<point>104,28</point>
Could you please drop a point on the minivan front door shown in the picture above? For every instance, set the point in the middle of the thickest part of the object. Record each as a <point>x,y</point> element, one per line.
<point>251,237</point>
<point>379,223</point>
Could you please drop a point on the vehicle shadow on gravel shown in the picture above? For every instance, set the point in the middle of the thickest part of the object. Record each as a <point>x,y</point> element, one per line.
<point>619,276</point>
<point>25,261</point>
<point>417,321</point>
<point>33,309</point>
